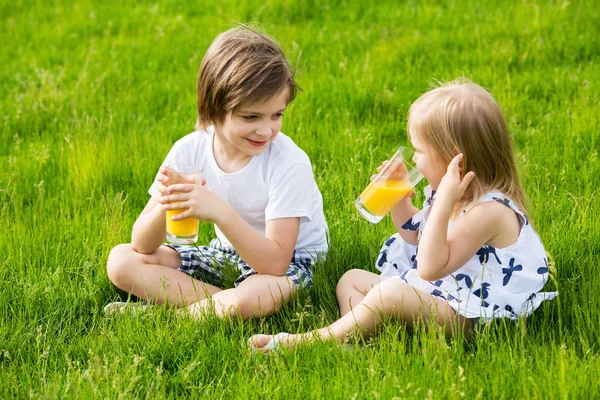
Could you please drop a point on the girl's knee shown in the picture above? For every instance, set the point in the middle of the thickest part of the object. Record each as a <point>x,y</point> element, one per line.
<point>391,292</point>
<point>356,280</point>
<point>348,280</point>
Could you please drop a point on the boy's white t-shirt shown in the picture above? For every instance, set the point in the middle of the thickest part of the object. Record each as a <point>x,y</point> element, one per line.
<point>279,183</point>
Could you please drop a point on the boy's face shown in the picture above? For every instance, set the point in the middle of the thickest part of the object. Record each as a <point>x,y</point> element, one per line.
<point>248,130</point>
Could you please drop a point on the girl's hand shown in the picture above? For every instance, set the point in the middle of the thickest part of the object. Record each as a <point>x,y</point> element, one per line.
<point>197,201</point>
<point>451,187</point>
<point>396,171</point>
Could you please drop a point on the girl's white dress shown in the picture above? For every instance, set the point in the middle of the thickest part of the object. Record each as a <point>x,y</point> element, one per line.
<point>495,282</point>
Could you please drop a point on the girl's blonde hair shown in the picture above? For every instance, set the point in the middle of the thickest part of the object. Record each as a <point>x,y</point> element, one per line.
<point>242,65</point>
<point>462,117</point>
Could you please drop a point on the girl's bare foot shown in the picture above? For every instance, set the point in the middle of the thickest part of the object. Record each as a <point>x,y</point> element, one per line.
<point>267,343</point>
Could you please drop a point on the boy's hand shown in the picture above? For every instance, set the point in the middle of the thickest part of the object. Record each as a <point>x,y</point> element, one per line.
<point>197,201</point>
<point>452,187</point>
<point>166,177</point>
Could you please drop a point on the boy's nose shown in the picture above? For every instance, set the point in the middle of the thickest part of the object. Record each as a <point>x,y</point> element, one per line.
<point>263,130</point>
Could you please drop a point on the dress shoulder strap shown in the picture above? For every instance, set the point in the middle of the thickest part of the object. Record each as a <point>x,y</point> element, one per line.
<point>504,200</point>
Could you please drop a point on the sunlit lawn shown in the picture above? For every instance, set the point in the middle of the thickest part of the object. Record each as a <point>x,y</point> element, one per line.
<point>93,94</point>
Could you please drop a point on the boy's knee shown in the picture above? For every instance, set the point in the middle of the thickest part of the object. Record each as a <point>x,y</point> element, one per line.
<point>235,307</point>
<point>119,258</point>
<point>247,305</point>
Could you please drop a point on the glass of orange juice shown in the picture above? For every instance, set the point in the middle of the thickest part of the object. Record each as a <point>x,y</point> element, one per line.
<point>389,186</point>
<point>186,230</point>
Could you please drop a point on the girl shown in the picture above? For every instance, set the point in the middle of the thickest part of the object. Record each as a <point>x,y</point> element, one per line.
<point>471,254</point>
<point>260,194</point>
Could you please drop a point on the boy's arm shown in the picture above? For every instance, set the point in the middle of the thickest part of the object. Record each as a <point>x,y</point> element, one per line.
<point>270,254</point>
<point>401,213</point>
<point>149,229</point>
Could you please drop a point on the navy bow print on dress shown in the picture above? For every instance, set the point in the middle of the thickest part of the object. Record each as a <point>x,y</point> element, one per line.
<point>484,254</point>
<point>383,255</point>
<point>430,198</point>
<point>506,202</point>
<point>413,259</point>
<point>543,270</point>
<point>438,293</point>
<point>382,258</point>
<point>466,278</point>
<point>410,226</point>
<point>509,271</point>
<point>503,200</point>
<point>483,293</point>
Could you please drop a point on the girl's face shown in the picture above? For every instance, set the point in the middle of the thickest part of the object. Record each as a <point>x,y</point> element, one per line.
<point>247,131</point>
<point>426,160</point>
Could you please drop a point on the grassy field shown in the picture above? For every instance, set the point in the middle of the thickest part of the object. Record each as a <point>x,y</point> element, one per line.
<point>93,94</point>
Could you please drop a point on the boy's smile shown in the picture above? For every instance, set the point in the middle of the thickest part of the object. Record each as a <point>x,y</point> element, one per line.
<point>257,143</point>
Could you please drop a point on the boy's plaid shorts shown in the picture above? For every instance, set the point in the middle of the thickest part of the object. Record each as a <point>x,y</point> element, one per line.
<point>206,263</point>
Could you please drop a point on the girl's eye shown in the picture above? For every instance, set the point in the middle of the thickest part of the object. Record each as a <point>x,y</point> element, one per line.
<point>278,115</point>
<point>249,117</point>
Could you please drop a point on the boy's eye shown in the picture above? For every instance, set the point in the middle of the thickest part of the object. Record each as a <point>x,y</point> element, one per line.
<point>278,115</point>
<point>249,117</point>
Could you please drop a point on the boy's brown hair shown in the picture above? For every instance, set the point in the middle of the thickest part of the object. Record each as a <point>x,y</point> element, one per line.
<point>242,65</point>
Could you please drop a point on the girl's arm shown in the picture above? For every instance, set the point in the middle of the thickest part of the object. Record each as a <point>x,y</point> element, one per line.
<point>442,253</point>
<point>402,212</point>
<point>149,229</point>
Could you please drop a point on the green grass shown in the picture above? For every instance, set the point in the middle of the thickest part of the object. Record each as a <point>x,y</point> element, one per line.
<point>93,94</point>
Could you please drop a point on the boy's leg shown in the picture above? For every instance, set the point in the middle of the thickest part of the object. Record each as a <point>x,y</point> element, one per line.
<point>256,296</point>
<point>353,286</point>
<point>154,277</point>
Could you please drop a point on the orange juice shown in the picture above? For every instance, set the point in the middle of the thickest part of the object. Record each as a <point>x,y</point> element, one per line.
<point>381,196</point>
<point>186,227</point>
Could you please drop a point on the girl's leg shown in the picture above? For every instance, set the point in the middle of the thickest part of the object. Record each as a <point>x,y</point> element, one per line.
<point>352,287</point>
<point>154,277</point>
<point>256,296</point>
<point>394,298</point>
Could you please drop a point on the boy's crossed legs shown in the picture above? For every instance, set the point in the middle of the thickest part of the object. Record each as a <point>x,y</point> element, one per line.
<point>155,277</point>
